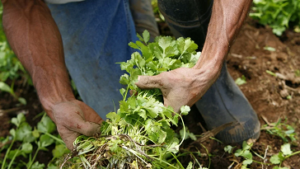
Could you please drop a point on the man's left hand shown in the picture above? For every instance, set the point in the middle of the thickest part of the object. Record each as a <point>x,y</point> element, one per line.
<point>182,86</point>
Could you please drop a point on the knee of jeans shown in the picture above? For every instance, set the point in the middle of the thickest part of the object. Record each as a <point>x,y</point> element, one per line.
<point>187,18</point>
<point>143,17</point>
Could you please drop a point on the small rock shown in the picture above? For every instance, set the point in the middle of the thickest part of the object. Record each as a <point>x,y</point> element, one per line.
<point>284,93</point>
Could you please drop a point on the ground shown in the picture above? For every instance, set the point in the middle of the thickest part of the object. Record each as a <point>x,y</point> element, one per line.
<point>267,94</point>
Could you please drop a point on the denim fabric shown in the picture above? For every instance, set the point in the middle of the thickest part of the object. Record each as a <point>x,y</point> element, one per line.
<point>95,37</point>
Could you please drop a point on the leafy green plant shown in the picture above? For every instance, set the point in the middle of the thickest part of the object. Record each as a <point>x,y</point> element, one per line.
<point>28,139</point>
<point>285,153</point>
<point>139,134</point>
<point>281,129</point>
<point>245,153</point>
<point>278,14</point>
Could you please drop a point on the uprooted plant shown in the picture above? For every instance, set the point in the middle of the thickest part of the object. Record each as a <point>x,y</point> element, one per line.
<point>139,134</point>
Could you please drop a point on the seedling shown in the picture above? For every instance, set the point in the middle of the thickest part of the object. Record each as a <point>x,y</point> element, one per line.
<point>284,154</point>
<point>28,138</point>
<point>280,129</point>
<point>241,80</point>
<point>245,153</point>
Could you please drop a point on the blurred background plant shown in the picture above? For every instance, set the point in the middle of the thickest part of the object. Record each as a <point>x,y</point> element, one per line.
<point>278,14</point>
<point>10,67</point>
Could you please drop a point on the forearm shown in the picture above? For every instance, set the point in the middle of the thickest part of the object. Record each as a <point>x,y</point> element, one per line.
<point>226,20</point>
<point>35,39</point>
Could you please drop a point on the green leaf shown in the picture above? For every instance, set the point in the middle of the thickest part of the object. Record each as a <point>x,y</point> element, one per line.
<point>174,148</point>
<point>46,125</point>
<point>228,149</point>
<point>12,132</point>
<point>143,114</point>
<point>37,165</point>
<point>153,112</point>
<point>22,100</point>
<point>59,151</point>
<point>241,80</point>
<point>190,166</point>
<point>4,87</point>
<point>247,161</point>
<point>247,154</point>
<point>18,120</point>
<point>162,136</point>
<point>146,36</point>
<point>52,166</point>
<point>133,45</point>
<point>24,133</point>
<point>26,148</point>
<point>122,91</point>
<point>140,38</point>
<point>124,79</point>
<point>277,158</point>
<point>45,141</point>
<point>286,149</point>
<point>114,117</point>
<point>246,146</point>
<point>36,133</point>
<point>185,110</point>
<point>238,152</point>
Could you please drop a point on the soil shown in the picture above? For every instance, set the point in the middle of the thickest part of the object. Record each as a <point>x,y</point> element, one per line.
<point>267,94</point>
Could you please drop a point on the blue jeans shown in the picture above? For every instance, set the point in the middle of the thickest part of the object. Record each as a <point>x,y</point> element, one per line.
<point>95,37</point>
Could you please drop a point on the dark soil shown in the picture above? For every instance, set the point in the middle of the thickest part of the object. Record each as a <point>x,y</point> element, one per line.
<point>266,93</point>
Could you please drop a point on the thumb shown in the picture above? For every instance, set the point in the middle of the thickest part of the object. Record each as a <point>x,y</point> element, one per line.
<point>149,82</point>
<point>84,127</point>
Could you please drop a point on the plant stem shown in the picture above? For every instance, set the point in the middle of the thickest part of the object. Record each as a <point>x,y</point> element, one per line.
<point>295,153</point>
<point>178,162</point>
<point>165,162</point>
<point>261,162</point>
<point>31,161</point>
<point>13,159</point>
<point>7,152</point>
<point>184,133</point>
<point>55,138</point>
<point>208,155</point>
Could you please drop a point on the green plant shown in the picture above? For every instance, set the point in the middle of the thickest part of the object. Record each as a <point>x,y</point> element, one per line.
<point>139,134</point>
<point>281,129</point>
<point>241,80</point>
<point>4,87</point>
<point>285,153</point>
<point>10,67</point>
<point>245,153</point>
<point>27,139</point>
<point>278,14</point>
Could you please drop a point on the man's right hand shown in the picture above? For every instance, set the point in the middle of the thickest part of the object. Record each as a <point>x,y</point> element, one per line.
<point>74,118</point>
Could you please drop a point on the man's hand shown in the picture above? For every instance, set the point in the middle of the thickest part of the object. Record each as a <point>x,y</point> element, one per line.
<point>74,118</point>
<point>183,86</point>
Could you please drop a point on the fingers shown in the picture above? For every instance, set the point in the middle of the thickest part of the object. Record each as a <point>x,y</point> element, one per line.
<point>149,82</point>
<point>81,126</point>
<point>86,128</point>
<point>67,136</point>
<point>89,114</point>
